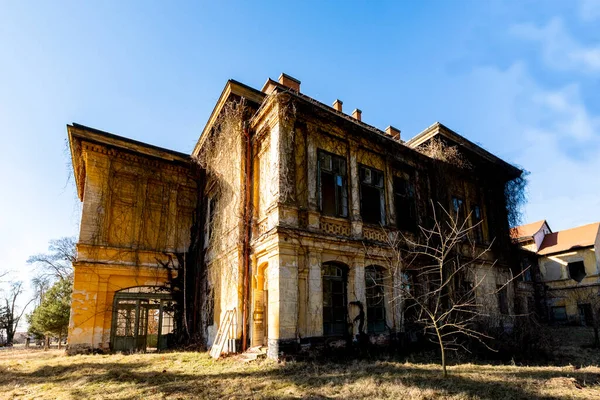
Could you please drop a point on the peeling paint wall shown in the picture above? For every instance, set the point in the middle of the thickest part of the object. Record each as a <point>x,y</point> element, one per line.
<point>137,214</point>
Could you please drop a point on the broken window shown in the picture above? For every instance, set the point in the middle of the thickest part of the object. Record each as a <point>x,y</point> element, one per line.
<point>458,209</point>
<point>333,185</point>
<point>335,317</point>
<point>526,270</point>
<point>577,270</point>
<point>503,299</point>
<point>404,199</point>
<point>371,195</point>
<point>375,299</point>
<point>559,314</point>
<point>477,223</point>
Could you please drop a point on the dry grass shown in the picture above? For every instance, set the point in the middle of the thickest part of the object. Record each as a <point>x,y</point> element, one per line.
<point>37,374</point>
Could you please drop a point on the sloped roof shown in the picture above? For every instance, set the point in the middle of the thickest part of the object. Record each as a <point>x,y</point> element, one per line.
<point>570,239</point>
<point>527,230</point>
<point>439,129</point>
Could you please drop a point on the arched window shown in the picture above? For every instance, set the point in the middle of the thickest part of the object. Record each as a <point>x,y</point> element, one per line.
<point>335,312</point>
<point>374,284</point>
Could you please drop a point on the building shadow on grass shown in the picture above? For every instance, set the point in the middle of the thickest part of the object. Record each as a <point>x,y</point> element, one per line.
<point>304,379</point>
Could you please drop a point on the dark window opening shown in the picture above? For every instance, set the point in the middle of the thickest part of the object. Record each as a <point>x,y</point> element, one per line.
<point>586,317</point>
<point>577,270</point>
<point>404,199</point>
<point>333,185</point>
<point>559,314</point>
<point>375,300</point>
<point>503,299</point>
<point>371,195</point>
<point>335,314</point>
<point>526,274</point>
<point>458,210</point>
<point>477,223</point>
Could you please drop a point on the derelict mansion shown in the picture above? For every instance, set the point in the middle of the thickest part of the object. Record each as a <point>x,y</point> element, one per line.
<point>274,224</point>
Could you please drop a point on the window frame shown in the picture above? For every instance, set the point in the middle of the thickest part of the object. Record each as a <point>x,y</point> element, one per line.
<point>381,188</point>
<point>340,196</point>
<point>331,326</point>
<point>375,324</point>
<point>477,223</point>
<point>408,196</point>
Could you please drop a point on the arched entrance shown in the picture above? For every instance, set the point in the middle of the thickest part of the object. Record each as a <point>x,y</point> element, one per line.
<point>260,313</point>
<point>143,319</point>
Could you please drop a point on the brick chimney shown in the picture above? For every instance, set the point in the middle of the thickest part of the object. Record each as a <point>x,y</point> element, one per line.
<point>289,82</point>
<point>337,105</point>
<point>357,114</point>
<point>393,132</point>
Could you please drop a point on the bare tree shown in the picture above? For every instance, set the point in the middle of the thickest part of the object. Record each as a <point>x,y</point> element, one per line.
<point>438,280</point>
<point>40,284</point>
<point>58,262</point>
<point>9,314</point>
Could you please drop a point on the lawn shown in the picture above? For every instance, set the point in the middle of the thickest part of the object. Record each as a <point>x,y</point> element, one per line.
<point>30,374</point>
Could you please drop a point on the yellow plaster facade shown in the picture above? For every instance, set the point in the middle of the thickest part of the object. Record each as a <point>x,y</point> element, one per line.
<point>272,251</point>
<point>137,213</point>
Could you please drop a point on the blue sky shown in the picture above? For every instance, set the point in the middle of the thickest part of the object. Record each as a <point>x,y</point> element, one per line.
<point>518,77</point>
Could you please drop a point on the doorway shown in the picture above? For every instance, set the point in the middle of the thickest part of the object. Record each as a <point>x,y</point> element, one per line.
<point>260,312</point>
<point>143,319</point>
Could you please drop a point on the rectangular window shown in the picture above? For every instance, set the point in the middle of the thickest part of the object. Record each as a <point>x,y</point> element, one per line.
<point>503,299</point>
<point>559,314</point>
<point>585,314</point>
<point>371,195</point>
<point>404,199</point>
<point>375,293</point>
<point>526,267</point>
<point>335,302</point>
<point>458,210</point>
<point>333,185</point>
<point>477,223</point>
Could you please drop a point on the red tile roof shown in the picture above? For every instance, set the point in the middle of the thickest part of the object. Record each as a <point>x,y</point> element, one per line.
<point>569,239</point>
<point>527,230</point>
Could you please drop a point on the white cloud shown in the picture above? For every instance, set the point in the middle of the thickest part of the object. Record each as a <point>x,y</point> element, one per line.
<point>589,10</point>
<point>550,132</point>
<point>559,49</point>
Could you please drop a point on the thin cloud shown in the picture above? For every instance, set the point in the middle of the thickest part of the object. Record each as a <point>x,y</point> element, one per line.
<point>559,49</point>
<point>589,10</point>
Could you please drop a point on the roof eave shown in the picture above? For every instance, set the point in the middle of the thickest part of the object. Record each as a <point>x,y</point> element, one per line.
<point>440,129</point>
<point>231,87</point>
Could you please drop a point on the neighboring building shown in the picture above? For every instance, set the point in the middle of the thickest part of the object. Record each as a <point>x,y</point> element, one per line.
<point>568,263</point>
<point>264,226</point>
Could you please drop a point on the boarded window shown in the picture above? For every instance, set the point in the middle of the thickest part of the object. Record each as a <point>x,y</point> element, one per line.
<point>335,316</point>
<point>333,185</point>
<point>375,299</point>
<point>577,270</point>
<point>404,199</point>
<point>477,223</point>
<point>371,195</point>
